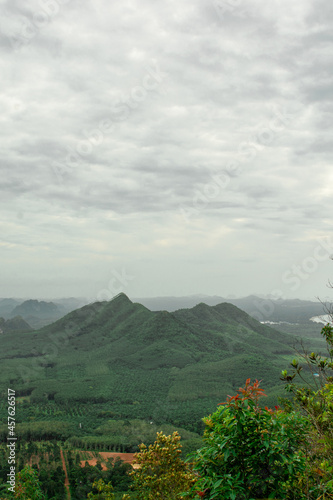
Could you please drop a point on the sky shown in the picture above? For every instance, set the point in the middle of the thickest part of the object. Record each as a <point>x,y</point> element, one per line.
<point>166,148</point>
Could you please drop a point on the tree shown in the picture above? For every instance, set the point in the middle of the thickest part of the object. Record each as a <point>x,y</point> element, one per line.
<point>27,485</point>
<point>250,452</point>
<point>162,474</point>
<point>315,399</point>
<point>104,491</point>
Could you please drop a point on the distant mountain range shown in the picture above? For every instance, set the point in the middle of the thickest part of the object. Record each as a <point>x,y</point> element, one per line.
<point>139,361</point>
<point>7,306</point>
<point>41,313</point>
<point>262,309</point>
<point>37,313</point>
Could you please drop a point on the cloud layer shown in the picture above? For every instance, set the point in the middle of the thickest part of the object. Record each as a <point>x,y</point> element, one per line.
<point>188,144</point>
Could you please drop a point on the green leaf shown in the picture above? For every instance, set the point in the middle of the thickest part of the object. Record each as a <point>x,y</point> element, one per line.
<point>217,484</point>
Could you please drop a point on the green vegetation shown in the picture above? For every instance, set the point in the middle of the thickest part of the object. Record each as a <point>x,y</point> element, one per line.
<point>103,491</point>
<point>44,458</point>
<point>251,452</point>
<point>42,461</point>
<point>82,479</point>
<point>125,436</point>
<point>109,376</point>
<point>315,399</point>
<point>16,324</point>
<point>121,358</point>
<point>162,473</point>
<point>28,486</point>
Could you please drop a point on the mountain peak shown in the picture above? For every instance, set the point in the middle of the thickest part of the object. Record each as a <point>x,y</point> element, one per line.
<point>121,297</point>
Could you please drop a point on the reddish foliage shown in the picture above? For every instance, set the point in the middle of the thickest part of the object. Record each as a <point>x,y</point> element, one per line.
<point>252,392</point>
<point>202,494</point>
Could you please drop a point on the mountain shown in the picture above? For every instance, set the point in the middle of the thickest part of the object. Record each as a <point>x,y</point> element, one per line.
<point>236,328</point>
<point>14,325</point>
<point>38,313</point>
<point>173,303</point>
<point>71,303</point>
<point>261,308</point>
<point>7,306</point>
<point>279,310</point>
<point>136,363</point>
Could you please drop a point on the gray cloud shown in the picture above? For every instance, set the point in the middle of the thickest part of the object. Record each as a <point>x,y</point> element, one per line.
<point>156,135</point>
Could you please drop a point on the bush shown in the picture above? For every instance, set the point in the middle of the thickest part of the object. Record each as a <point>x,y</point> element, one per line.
<point>315,400</point>
<point>250,452</point>
<point>102,491</point>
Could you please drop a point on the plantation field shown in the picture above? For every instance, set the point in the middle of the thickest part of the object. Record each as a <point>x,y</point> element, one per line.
<point>62,469</point>
<point>94,458</point>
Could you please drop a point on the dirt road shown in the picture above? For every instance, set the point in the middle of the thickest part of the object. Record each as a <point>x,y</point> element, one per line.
<point>66,475</point>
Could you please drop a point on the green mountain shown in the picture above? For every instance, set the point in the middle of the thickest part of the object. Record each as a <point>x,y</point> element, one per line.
<point>265,309</point>
<point>136,363</point>
<point>16,324</point>
<point>38,313</point>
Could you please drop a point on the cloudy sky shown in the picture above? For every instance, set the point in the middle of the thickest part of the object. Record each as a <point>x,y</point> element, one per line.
<point>166,148</point>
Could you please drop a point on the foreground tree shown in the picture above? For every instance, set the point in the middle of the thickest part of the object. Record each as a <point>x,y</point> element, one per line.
<point>315,399</point>
<point>162,474</point>
<point>27,485</point>
<point>250,452</point>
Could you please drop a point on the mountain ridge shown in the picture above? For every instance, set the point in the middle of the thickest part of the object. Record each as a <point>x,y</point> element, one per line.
<point>121,355</point>
<point>15,324</point>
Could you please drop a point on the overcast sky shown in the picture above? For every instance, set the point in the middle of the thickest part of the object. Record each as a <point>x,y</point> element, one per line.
<point>166,148</point>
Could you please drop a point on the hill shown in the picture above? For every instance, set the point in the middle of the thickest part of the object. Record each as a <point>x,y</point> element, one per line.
<point>122,358</point>
<point>14,325</point>
<point>263,309</point>
<point>7,306</point>
<point>38,313</point>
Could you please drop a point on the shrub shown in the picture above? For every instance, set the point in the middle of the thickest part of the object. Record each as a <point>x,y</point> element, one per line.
<point>315,399</point>
<point>103,492</point>
<point>250,452</point>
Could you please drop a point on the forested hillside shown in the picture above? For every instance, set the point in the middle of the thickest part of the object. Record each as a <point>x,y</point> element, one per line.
<point>120,357</point>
